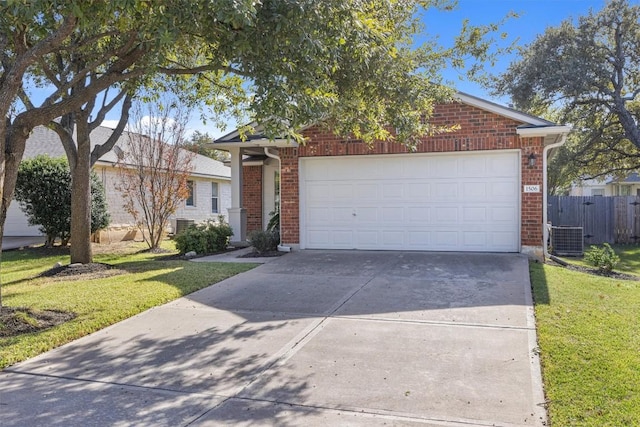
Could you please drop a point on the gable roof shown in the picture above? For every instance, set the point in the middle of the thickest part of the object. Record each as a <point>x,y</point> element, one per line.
<point>632,178</point>
<point>532,125</point>
<point>45,141</point>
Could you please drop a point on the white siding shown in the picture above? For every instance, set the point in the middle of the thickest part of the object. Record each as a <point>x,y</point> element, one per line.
<point>200,212</point>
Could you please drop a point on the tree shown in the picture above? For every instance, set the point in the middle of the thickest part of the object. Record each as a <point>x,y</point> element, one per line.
<point>198,143</point>
<point>154,169</point>
<point>589,71</point>
<point>350,63</point>
<point>44,182</point>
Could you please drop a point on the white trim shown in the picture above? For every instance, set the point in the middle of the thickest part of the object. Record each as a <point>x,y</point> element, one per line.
<point>260,143</point>
<point>501,110</point>
<point>543,131</point>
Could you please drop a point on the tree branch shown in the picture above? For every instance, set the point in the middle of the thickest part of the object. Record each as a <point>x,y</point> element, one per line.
<point>100,150</point>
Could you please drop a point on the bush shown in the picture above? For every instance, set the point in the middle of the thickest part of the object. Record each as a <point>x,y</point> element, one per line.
<point>602,257</point>
<point>205,238</point>
<point>43,190</point>
<point>274,221</point>
<point>264,241</point>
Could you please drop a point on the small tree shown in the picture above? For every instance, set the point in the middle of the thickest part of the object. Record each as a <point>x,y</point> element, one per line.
<point>154,169</point>
<point>199,142</point>
<point>43,189</point>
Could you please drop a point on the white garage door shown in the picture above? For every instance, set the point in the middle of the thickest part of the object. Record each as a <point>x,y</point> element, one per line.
<point>438,202</point>
<point>16,223</point>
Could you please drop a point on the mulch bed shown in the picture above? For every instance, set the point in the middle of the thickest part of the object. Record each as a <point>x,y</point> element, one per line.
<point>179,257</point>
<point>21,320</point>
<point>94,270</point>
<point>268,254</point>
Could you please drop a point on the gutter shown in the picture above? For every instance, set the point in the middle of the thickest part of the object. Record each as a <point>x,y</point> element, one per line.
<point>545,228</point>
<point>269,154</point>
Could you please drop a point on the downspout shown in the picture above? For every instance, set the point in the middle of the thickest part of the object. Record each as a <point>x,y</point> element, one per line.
<point>269,154</point>
<point>545,229</point>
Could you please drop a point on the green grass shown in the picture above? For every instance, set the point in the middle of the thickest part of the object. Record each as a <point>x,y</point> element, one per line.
<point>589,336</point>
<point>629,259</point>
<point>97,302</point>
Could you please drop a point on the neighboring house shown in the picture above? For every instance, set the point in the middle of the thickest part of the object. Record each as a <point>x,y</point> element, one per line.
<point>210,181</point>
<point>629,186</point>
<point>477,189</point>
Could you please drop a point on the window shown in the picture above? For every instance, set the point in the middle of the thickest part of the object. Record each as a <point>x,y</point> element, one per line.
<point>214,198</point>
<point>190,198</point>
<point>597,192</point>
<point>625,190</point>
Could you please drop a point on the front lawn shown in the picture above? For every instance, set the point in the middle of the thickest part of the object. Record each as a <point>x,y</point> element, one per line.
<point>97,302</point>
<point>589,336</point>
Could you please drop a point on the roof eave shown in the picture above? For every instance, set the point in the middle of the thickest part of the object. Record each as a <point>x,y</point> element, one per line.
<point>536,131</point>
<point>262,142</point>
<point>501,110</point>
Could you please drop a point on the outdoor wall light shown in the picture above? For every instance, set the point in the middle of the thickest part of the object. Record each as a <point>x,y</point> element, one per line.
<point>532,160</point>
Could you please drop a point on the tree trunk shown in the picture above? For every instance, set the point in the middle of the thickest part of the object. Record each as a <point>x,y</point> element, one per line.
<point>81,199</point>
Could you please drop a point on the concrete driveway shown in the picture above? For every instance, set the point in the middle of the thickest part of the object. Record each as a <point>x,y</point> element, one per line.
<point>314,338</point>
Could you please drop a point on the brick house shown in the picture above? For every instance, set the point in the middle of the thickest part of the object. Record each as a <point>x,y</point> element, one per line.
<point>210,184</point>
<point>480,188</point>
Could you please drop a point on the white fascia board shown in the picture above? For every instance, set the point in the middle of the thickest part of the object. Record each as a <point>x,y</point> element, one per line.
<point>263,142</point>
<point>531,132</point>
<point>501,110</point>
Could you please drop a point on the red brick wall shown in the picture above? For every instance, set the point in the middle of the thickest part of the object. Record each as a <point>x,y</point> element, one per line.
<point>252,196</point>
<point>479,130</point>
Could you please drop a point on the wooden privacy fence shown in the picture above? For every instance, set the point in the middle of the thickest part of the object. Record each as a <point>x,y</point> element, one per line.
<point>603,219</point>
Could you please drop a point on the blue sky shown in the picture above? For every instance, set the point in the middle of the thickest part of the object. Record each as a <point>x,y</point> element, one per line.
<point>534,17</point>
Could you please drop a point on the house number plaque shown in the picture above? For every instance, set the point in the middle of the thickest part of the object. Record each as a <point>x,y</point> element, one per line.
<point>531,188</point>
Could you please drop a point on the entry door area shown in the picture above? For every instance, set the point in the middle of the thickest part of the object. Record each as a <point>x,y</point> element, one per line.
<point>436,202</point>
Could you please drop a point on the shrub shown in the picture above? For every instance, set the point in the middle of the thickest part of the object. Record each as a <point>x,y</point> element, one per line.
<point>264,241</point>
<point>274,221</point>
<point>43,190</point>
<point>602,257</point>
<point>204,238</point>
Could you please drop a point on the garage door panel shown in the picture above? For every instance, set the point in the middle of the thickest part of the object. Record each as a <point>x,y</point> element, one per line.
<point>368,214</point>
<point>342,191</point>
<point>445,215</point>
<point>445,239</point>
<point>366,192</point>
<point>474,214</point>
<point>503,190</point>
<point>504,165</point>
<point>503,214</point>
<point>393,191</point>
<point>419,214</point>
<point>453,202</point>
<point>319,215</point>
<point>445,191</point>
<point>319,191</point>
<point>341,216</point>
<point>418,191</point>
<point>446,167</point>
<point>393,238</point>
<point>475,239</point>
<point>473,167</point>
<point>415,168</point>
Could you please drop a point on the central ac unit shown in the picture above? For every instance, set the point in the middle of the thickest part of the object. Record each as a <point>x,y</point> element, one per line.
<point>567,241</point>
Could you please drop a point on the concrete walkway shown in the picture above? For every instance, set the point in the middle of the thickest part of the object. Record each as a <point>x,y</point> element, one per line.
<point>314,338</point>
